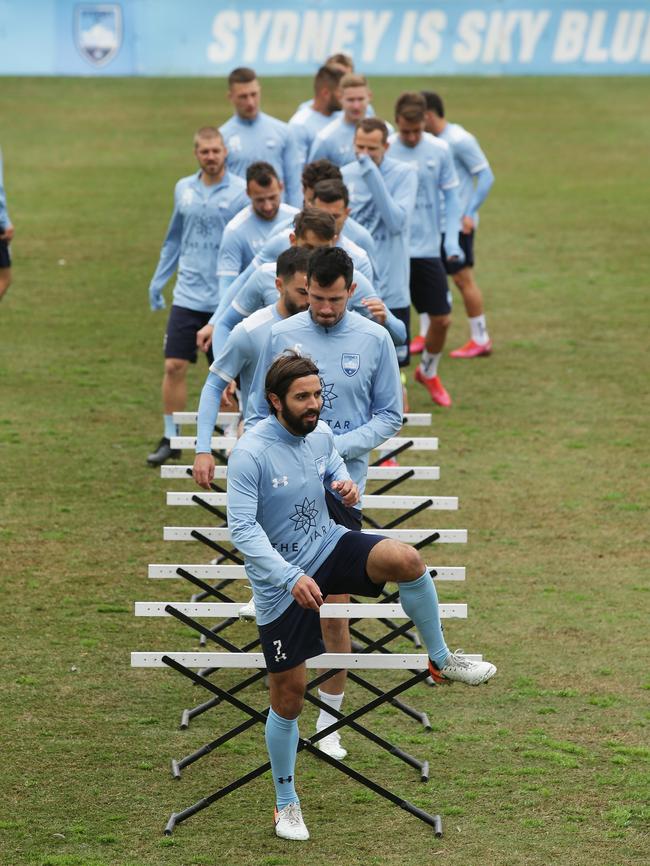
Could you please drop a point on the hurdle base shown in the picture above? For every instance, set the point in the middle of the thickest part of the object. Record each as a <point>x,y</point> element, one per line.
<point>171,824</point>
<point>176,772</point>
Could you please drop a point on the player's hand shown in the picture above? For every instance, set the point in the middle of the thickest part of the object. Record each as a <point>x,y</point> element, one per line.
<point>156,300</point>
<point>204,337</point>
<point>307,593</point>
<point>203,470</point>
<point>348,491</point>
<point>377,309</point>
<point>7,234</point>
<point>467,225</point>
<point>228,394</point>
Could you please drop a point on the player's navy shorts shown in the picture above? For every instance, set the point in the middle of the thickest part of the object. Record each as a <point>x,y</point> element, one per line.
<point>403,353</point>
<point>466,243</point>
<point>180,337</point>
<point>5,255</point>
<point>341,514</point>
<point>296,634</point>
<point>429,289</point>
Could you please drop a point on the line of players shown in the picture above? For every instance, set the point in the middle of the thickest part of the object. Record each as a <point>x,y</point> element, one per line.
<point>256,277</point>
<point>391,193</point>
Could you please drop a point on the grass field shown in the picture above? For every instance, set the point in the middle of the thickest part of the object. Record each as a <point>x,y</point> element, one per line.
<point>546,446</point>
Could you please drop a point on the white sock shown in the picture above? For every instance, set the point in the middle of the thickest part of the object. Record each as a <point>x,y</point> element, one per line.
<point>478,330</point>
<point>424,324</point>
<point>429,363</point>
<point>326,719</point>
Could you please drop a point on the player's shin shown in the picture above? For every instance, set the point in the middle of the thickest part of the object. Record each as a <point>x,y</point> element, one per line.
<point>420,602</point>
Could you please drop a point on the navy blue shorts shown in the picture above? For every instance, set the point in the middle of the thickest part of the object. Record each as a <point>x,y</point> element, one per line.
<point>5,255</point>
<point>403,353</point>
<point>429,289</point>
<point>180,337</point>
<point>296,634</point>
<point>466,243</point>
<point>341,514</point>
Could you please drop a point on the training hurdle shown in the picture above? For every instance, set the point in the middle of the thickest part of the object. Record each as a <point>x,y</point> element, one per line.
<point>228,570</point>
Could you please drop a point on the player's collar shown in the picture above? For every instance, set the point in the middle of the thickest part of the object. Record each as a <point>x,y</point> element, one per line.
<point>334,329</point>
<point>282,433</point>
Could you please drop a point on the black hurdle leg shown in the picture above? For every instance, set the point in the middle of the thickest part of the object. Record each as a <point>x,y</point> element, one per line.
<point>434,821</point>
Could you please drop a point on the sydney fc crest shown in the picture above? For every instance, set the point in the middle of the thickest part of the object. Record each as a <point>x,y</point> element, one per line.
<point>350,363</point>
<point>98,31</point>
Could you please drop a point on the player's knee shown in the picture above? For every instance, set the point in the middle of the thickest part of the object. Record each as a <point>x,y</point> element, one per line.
<point>442,322</point>
<point>175,367</point>
<point>5,280</point>
<point>411,563</point>
<point>335,634</point>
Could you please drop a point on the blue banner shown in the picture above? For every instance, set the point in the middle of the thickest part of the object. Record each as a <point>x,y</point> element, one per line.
<point>385,37</point>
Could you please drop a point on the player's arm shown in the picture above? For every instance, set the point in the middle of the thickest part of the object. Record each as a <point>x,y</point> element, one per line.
<point>452,216</point>
<point>301,141</point>
<point>475,161</point>
<point>395,209</point>
<point>257,408</point>
<point>386,408</point>
<point>291,167</point>
<point>203,469</point>
<point>168,261</point>
<point>364,301</point>
<point>483,185</point>
<point>230,259</point>
<point>247,534</point>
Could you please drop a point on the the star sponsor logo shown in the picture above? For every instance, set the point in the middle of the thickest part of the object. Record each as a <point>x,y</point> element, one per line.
<point>305,516</point>
<point>327,394</point>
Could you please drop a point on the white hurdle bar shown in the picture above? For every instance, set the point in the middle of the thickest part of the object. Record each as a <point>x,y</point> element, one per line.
<point>410,536</point>
<point>413,419</point>
<point>376,473</point>
<point>223,443</point>
<point>438,503</point>
<point>162,571</point>
<point>330,611</point>
<point>349,661</point>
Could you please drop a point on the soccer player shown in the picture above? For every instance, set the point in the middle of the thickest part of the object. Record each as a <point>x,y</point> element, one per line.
<point>308,120</point>
<point>203,203</point>
<point>6,235</point>
<point>476,179</point>
<point>428,282</point>
<point>362,403</point>
<point>332,196</point>
<point>251,135</point>
<point>280,474</point>
<point>336,141</point>
<point>345,64</point>
<point>382,198</point>
<point>239,355</point>
<point>247,231</point>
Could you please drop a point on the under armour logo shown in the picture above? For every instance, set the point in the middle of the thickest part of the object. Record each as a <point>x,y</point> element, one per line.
<point>282,780</point>
<point>282,481</point>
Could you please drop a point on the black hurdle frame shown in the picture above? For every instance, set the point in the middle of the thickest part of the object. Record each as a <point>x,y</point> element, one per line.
<point>178,765</point>
<point>256,716</point>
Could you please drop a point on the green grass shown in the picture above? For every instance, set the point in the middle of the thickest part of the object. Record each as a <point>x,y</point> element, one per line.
<point>546,446</point>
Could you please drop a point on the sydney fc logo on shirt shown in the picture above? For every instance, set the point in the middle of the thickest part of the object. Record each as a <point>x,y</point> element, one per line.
<point>350,363</point>
<point>320,467</point>
<point>98,31</point>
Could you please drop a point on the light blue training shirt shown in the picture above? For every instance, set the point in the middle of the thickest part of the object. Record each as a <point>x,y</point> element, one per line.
<point>237,357</point>
<point>432,159</point>
<point>383,200</point>
<point>243,237</point>
<point>361,386</point>
<point>305,125</point>
<point>277,513</point>
<point>266,139</point>
<point>470,161</point>
<point>4,214</point>
<point>191,245</point>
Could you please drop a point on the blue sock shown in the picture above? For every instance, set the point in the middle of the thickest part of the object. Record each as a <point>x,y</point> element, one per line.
<point>282,741</point>
<point>171,429</point>
<point>420,602</point>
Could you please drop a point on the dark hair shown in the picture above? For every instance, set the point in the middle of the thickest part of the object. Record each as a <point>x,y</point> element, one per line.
<point>318,221</point>
<point>292,261</point>
<point>241,75</point>
<point>342,60</point>
<point>321,169</point>
<point>327,76</point>
<point>434,102</point>
<point>327,264</point>
<point>372,124</point>
<point>330,191</point>
<point>411,106</point>
<point>262,173</point>
<point>287,367</point>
